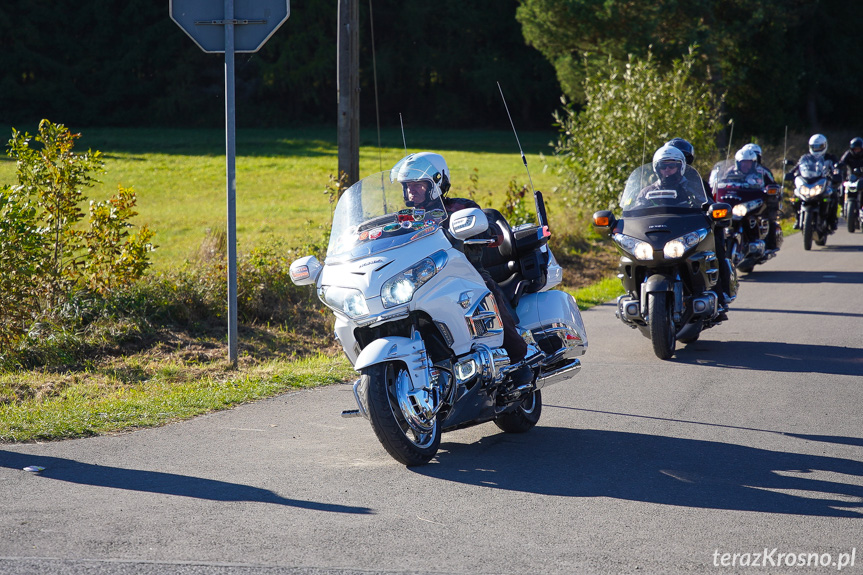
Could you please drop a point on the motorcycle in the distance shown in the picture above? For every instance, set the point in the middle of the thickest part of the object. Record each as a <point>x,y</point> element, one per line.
<point>813,197</point>
<point>851,208</point>
<point>668,264</point>
<point>752,203</point>
<point>418,323</point>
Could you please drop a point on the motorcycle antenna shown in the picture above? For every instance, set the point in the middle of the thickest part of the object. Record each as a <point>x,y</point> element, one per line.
<point>784,156</point>
<point>730,137</point>
<point>537,195</point>
<point>405,142</point>
<point>517,141</point>
<point>644,143</point>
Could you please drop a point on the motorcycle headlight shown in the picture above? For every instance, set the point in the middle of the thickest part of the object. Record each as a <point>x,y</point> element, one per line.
<point>810,191</point>
<point>679,246</point>
<point>400,288</point>
<point>347,300</point>
<point>741,210</point>
<point>641,250</point>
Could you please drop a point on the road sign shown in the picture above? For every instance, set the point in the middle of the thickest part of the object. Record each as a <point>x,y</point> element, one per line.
<point>230,26</point>
<point>254,22</point>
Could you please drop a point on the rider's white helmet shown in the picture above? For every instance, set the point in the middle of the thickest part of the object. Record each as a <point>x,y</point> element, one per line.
<point>745,154</point>
<point>668,153</point>
<point>423,166</point>
<point>755,148</point>
<point>818,145</point>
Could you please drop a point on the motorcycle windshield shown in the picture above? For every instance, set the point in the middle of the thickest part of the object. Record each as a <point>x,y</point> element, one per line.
<point>811,167</point>
<point>375,215</point>
<point>645,195</point>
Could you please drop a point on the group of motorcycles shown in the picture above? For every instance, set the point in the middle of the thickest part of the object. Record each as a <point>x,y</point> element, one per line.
<point>418,322</point>
<point>671,241</point>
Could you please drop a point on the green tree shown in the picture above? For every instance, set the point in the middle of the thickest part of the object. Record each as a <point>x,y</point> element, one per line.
<point>775,61</point>
<point>630,110</point>
<point>48,251</point>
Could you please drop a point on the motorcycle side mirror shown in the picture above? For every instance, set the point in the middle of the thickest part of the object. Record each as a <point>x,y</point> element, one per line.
<point>305,271</point>
<point>787,163</point>
<point>468,223</point>
<point>603,222</point>
<point>721,214</point>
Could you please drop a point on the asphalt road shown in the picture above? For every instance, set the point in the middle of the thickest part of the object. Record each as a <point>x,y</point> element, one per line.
<point>748,440</point>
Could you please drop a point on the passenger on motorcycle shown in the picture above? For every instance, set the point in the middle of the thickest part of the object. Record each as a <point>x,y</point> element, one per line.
<point>425,177</point>
<point>688,151</point>
<point>818,148</point>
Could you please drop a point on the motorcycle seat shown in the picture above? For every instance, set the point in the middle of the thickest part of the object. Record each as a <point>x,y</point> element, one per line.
<point>506,263</point>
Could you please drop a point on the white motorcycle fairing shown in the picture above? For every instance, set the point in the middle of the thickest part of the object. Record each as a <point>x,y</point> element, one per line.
<point>417,321</point>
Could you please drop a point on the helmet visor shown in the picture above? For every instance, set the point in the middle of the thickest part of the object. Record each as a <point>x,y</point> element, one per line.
<point>668,167</point>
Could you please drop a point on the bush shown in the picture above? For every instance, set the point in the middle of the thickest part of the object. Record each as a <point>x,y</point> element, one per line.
<point>628,114</point>
<point>47,254</point>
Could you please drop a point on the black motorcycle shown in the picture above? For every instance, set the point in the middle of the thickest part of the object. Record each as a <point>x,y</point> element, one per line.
<point>753,208</point>
<point>814,197</point>
<point>851,208</point>
<point>668,264</point>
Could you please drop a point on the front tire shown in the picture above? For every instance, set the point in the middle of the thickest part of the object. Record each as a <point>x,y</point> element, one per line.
<point>851,220</point>
<point>661,324</point>
<point>807,231</point>
<point>403,442</point>
<point>525,416</point>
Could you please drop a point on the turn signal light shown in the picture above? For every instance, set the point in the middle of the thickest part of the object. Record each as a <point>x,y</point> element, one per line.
<point>601,221</point>
<point>719,214</point>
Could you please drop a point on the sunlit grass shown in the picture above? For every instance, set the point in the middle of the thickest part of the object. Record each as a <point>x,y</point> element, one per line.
<point>598,293</point>
<point>179,176</point>
<point>100,402</point>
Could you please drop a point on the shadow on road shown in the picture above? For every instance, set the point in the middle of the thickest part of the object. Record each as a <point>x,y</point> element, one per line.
<point>773,356</point>
<point>655,469</point>
<point>858,441</point>
<point>72,471</point>
<point>804,277</point>
<point>797,311</point>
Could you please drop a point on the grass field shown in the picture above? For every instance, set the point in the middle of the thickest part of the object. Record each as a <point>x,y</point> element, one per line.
<point>179,176</point>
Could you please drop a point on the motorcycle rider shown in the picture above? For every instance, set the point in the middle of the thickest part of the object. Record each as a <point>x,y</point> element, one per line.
<point>748,164</point>
<point>762,169</point>
<point>853,157</point>
<point>818,148</point>
<point>688,152</point>
<point>425,178</point>
<point>669,165</point>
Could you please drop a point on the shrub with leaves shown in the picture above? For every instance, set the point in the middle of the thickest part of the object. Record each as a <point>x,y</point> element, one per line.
<point>629,113</point>
<point>48,252</point>
<point>518,205</point>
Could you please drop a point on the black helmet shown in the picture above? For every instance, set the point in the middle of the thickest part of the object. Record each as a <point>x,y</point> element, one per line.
<point>856,143</point>
<point>685,147</point>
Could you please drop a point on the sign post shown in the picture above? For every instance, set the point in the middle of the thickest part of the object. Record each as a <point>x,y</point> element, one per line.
<point>213,25</point>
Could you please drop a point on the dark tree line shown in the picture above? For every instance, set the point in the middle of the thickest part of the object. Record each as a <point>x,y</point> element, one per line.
<point>104,62</point>
<point>777,62</point>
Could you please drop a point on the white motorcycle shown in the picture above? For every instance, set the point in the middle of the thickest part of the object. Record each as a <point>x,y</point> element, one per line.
<point>418,323</point>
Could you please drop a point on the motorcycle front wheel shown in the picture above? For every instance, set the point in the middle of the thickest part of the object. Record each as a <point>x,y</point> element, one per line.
<point>807,231</point>
<point>525,416</point>
<point>851,219</point>
<point>402,441</point>
<point>661,324</point>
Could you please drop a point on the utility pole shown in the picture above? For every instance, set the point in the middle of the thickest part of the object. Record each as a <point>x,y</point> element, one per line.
<point>349,90</point>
